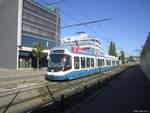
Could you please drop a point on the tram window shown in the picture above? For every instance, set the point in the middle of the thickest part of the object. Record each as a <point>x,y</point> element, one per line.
<point>92,62</point>
<point>98,62</point>
<point>103,62</point>
<point>87,62</point>
<point>82,62</point>
<point>68,60</point>
<point>117,63</point>
<point>113,62</point>
<point>108,62</point>
<point>68,63</point>
<point>76,63</point>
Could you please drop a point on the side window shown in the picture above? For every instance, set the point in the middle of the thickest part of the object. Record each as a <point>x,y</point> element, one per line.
<point>103,62</point>
<point>68,63</point>
<point>113,62</point>
<point>76,63</point>
<point>117,62</point>
<point>98,62</point>
<point>82,62</point>
<point>87,62</point>
<point>92,62</point>
<point>108,62</point>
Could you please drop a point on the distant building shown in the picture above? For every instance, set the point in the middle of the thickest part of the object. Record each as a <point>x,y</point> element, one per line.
<point>82,40</point>
<point>23,24</point>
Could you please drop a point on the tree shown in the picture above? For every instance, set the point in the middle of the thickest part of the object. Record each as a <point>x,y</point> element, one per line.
<point>122,57</point>
<point>131,59</point>
<point>112,49</point>
<point>37,52</point>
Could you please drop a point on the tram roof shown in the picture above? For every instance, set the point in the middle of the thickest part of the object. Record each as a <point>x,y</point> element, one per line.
<point>87,52</point>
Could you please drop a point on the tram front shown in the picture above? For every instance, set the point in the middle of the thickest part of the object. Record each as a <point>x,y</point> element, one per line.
<point>59,63</point>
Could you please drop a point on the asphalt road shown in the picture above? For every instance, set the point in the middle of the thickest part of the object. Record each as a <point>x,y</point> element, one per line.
<point>131,94</point>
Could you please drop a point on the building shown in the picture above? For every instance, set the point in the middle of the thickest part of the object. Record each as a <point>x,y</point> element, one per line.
<point>23,24</point>
<point>82,40</point>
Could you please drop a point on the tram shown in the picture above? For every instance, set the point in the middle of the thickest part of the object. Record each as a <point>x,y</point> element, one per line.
<point>67,63</point>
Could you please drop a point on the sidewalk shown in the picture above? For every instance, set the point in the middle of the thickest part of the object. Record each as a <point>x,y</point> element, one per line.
<point>6,73</point>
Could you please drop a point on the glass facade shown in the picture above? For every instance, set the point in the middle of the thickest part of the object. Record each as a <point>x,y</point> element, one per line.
<point>39,10</point>
<point>29,41</point>
<point>25,60</point>
<point>38,21</point>
<point>39,26</point>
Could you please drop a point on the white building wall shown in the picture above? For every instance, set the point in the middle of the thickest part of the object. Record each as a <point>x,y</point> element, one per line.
<point>82,38</point>
<point>145,64</point>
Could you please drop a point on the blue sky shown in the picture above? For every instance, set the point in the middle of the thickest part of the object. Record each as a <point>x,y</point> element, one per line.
<point>129,26</point>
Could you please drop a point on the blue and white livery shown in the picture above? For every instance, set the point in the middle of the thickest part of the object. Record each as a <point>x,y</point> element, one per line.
<point>67,63</point>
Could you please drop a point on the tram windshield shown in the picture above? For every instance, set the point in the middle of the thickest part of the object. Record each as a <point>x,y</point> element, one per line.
<point>59,62</point>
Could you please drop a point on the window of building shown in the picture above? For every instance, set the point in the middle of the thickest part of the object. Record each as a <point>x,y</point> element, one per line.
<point>29,18</point>
<point>87,62</point>
<point>82,62</point>
<point>39,11</point>
<point>92,62</point>
<point>76,63</point>
<point>51,44</point>
<point>38,31</point>
<point>29,41</point>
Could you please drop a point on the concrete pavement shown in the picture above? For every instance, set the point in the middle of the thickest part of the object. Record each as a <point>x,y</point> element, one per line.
<point>8,73</point>
<point>131,94</point>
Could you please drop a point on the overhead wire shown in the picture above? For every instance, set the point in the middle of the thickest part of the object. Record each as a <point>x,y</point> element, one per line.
<point>74,28</point>
<point>100,27</point>
<point>80,22</point>
<point>83,15</point>
<point>85,23</point>
<point>73,18</point>
<point>61,1</point>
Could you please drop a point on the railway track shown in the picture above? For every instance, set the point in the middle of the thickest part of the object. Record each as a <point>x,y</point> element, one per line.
<point>44,91</point>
